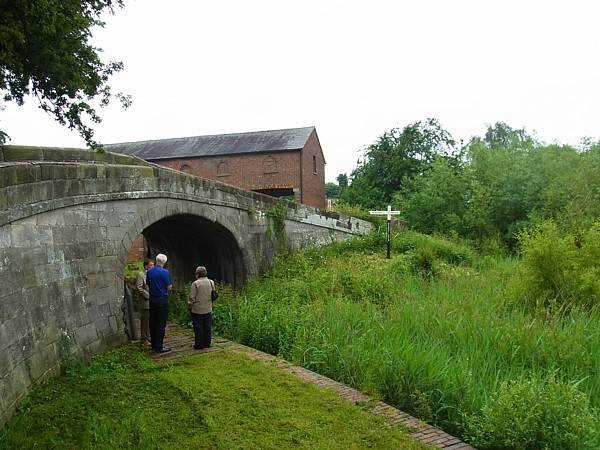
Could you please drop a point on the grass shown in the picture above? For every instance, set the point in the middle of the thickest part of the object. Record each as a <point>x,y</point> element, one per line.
<point>222,400</point>
<point>434,331</point>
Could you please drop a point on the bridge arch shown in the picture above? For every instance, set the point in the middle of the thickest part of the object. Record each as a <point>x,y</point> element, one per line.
<point>192,234</point>
<point>67,220</point>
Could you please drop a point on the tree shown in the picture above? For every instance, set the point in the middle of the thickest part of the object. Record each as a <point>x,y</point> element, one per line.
<point>501,135</point>
<point>396,157</point>
<point>332,190</point>
<point>45,52</point>
<point>342,180</point>
<point>436,201</point>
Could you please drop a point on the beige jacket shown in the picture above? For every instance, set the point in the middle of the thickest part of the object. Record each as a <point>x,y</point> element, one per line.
<point>199,301</point>
<point>143,292</point>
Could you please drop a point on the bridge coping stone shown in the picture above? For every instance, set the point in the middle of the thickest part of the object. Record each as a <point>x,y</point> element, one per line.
<point>70,171</point>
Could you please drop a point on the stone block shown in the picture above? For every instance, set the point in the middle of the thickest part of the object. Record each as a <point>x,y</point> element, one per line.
<point>60,188</point>
<point>19,153</point>
<point>23,236</point>
<point>85,171</point>
<point>78,251</point>
<point>42,191</point>
<point>99,280</point>
<point>19,197</point>
<point>92,186</point>
<point>5,237</point>
<point>114,184</point>
<point>28,173</point>
<point>3,198</point>
<point>50,172</point>
<point>101,295</point>
<point>43,360</point>
<point>114,324</point>
<point>26,345</point>
<point>8,176</point>
<point>109,264</point>
<point>146,172</point>
<point>86,334</point>
<point>6,364</point>
<point>67,154</point>
<point>106,248</point>
<point>94,347</point>
<point>74,187</point>
<point>87,265</point>
<point>75,217</point>
<point>125,160</point>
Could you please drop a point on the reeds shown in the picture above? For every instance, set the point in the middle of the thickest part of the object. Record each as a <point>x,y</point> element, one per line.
<point>441,343</point>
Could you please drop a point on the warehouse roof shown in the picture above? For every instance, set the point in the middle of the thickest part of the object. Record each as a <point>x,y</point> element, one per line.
<point>216,144</point>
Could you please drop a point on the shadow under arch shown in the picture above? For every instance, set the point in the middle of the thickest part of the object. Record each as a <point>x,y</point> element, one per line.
<point>189,241</point>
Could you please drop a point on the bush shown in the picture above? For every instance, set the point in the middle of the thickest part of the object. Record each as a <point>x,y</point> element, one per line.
<point>561,270</point>
<point>178,308</point>
<point>533,414</point>
<point>450,252</point>
<point>423,262</point>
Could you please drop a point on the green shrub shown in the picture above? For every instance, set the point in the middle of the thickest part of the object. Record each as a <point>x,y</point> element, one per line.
<point>178,307</point>
<point>560,270</point>
<point>423,262</point>
<point>533,414</point>
<point>450,252</point>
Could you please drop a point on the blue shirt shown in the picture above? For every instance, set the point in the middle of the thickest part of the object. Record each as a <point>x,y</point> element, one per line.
<point>157,280</point>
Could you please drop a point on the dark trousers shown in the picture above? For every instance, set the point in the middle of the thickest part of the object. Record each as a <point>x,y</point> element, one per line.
<point>145,324</point>
<point>202,324</point>
<point>159,313</point>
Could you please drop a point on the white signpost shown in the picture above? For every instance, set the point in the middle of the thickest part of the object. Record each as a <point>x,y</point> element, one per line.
<point>389,213</point>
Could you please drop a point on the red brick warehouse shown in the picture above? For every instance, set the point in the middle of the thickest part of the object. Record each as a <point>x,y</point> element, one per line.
<point>282,163</point>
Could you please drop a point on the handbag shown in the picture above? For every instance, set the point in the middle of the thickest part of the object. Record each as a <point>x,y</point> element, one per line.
<point>213,294</point>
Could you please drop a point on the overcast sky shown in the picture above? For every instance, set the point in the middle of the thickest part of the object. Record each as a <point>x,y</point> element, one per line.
<point>351,68</point>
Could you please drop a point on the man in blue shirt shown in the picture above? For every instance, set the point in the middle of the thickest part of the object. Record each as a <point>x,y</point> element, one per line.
<point>159,284</point>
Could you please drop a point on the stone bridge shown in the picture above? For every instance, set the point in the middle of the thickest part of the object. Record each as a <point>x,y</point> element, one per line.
<point>67,220</point>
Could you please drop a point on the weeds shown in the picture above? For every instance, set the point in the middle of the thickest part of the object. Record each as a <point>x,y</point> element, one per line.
<point>432,331</point>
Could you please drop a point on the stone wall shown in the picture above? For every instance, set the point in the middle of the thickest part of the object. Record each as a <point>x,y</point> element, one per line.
<point>67,220</point>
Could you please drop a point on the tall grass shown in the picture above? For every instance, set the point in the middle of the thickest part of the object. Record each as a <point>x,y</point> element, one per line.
<point>431,331</point>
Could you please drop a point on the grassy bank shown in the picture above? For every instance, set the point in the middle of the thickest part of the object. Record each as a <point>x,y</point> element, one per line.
<point>220,400</point>
<point>435,331</point>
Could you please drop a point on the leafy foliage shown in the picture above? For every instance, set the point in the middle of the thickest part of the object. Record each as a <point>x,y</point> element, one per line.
<point>397,156</point>
<point>46,53</point>
<point>561,270</point>
<point>332,190</point>
<point>435,202</point>
<point>528,413</point>
<point>488,191</point>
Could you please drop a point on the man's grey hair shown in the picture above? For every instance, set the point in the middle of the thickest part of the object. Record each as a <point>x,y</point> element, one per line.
<point>201,271</point>
<point>161,259</point>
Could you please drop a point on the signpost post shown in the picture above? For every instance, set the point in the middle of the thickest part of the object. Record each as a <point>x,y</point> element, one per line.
<point>389,213</point>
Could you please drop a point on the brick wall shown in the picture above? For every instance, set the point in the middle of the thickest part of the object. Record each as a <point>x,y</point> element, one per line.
<point>247,171</point>
<point>278,170</point>
<point>139,248</point>
<point>313,173</point>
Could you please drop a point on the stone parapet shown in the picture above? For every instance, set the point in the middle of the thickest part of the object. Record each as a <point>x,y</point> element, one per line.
<point>67,220</point>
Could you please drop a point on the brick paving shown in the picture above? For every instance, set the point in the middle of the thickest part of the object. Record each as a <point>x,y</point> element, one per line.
<point>181,341</point>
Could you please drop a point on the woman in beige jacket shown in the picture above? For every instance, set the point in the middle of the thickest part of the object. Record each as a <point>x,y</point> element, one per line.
<point>200,305</point>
